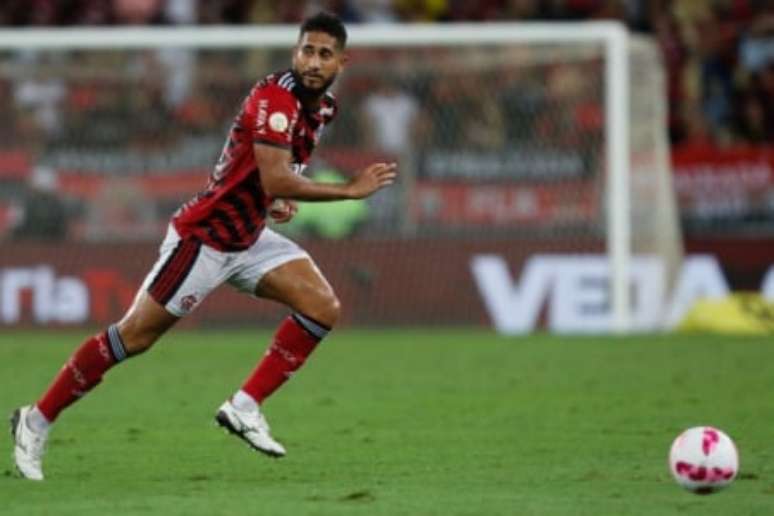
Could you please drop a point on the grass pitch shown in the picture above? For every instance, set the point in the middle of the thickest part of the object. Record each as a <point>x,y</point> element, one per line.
<point>399,422</point>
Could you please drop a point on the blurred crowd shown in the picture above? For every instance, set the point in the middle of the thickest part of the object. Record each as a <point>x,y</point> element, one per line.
<point>169,109</point>
<point>719,53</point>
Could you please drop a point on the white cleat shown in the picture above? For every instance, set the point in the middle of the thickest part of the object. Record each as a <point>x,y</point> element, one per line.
<point>251,426</point>
<point>29,446</point>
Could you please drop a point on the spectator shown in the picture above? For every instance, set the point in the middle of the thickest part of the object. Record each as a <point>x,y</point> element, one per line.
<point>525,10</point>
<point>522,96</point>
<point>390,115</point>
<point>751,120</point>
<point>484,128</point>
<point>421,10</point>
<point>375,11</point>
<point>121,210</point>
<point>675,54</point>
<point>763,93</point>
<point>138,12</point>
<point>44,215</point>
<point>41,97</point>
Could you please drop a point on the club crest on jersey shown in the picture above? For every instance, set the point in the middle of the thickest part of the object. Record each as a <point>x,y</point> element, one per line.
<point>278,121</point>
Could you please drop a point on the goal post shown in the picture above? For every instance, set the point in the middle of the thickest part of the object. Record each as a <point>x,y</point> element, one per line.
<point>629,156</point>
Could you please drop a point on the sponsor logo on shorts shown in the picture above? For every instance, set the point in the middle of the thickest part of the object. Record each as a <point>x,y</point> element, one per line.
<point>189,302</point>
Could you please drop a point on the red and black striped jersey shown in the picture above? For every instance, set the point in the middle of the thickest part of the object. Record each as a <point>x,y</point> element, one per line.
<point>230,212</point>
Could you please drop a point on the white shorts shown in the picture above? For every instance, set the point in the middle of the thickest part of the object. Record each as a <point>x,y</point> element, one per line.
<point>188,270</point>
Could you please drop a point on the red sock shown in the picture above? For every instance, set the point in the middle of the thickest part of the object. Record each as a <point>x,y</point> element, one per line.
<point>82,371</point>
<point>293,342</point>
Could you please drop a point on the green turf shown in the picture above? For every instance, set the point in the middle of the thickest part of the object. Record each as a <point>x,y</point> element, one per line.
<point>400,422</point>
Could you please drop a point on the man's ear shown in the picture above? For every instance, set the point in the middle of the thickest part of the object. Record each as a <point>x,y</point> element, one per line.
<point>344,61</point>
<point>294,51</point>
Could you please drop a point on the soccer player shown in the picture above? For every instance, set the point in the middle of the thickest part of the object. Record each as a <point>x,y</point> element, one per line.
<point>220,236</point>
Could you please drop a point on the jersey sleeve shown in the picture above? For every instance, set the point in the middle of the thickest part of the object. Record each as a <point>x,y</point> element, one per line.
<point>275,115</point>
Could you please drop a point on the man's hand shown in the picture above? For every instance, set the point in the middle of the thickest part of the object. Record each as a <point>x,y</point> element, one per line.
<point>371,179</point>
<point>282,210</point>
<point>280,182</point>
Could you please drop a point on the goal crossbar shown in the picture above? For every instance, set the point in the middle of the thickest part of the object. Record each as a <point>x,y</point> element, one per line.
<point>278,36</point>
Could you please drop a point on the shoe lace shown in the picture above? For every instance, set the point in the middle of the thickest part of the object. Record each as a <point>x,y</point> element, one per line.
<point>36,444</point>
<point>255,420</point>
<point>37,447</point>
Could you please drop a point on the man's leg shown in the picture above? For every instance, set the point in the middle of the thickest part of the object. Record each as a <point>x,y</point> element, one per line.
<point>184,274</point>
<point>142,325</point>
<point>300,285</point>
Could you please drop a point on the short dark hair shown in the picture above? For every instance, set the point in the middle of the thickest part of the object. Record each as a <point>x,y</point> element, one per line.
<point>327,23</point>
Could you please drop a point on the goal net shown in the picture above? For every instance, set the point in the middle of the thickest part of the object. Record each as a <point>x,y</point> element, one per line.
<point>515,143</point>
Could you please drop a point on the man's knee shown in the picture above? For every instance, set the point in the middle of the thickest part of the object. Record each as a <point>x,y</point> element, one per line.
<point>136,338</point>
<point>324,308</point>
<point>139,331</point>
<point>143,324</point>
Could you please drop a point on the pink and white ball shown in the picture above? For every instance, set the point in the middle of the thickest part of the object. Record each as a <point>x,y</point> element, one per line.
<point>703,459</point>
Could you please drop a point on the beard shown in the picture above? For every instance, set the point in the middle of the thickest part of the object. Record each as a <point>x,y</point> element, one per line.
<point>305,92</point>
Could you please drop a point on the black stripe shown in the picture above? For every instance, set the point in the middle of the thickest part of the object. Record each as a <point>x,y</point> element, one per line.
<point>228,223</point>
<point>306,330</point>
<point>240,207</point>
<point>184,274</point>
<point>159,292</point>
<point>166,265</point>
<point>229,248</point>
<point>221,244</point>
<point>258,200</point>
<point>212,234</point>
<point>318,323</point>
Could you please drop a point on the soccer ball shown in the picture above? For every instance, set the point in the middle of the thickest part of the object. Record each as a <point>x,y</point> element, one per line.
<point>703,459</point>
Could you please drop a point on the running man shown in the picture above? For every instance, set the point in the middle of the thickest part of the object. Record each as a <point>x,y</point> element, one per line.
<point>220,237</point>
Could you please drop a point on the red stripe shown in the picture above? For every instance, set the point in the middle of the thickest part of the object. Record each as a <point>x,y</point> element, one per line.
<point>160,282</point>
<point>220,231</point>
<point>182,268</point>
<point>162,271</point>
<point>179,265</point>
